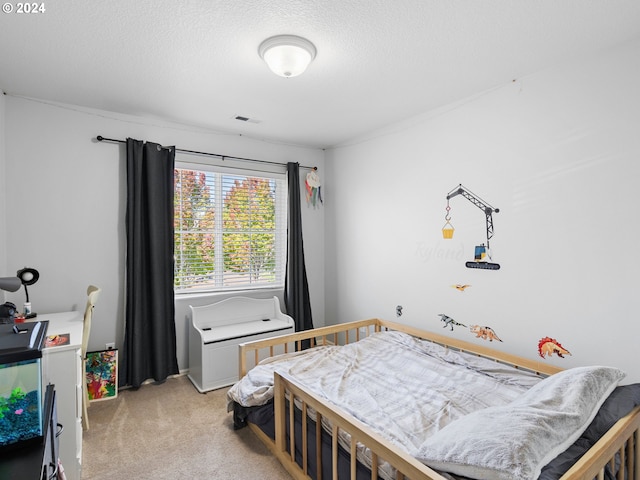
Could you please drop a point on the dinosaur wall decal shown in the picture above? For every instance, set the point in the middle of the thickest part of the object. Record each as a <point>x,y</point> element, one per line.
<point>449,322</point>
<point>486,333</point>
<point>547,346</point>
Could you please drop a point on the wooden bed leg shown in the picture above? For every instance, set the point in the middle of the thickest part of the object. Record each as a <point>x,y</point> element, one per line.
<point>280,412</point>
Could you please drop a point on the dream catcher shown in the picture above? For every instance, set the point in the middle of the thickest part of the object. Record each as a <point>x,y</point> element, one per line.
<point>314,189</point>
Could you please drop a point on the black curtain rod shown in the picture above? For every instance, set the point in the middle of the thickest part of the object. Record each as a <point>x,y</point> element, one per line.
<point>100,138</point>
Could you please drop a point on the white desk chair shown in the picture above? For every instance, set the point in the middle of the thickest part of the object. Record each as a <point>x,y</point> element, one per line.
<point>92,297</point>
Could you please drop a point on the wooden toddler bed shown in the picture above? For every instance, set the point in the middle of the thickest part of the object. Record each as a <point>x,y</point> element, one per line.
<point>592,413</point>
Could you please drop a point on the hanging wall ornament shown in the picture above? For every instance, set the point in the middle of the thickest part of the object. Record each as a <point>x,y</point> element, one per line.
<point>313,187</point>
<point>547,346</point>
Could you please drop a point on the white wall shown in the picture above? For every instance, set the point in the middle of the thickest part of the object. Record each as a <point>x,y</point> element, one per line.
<point>558,153</point>
<point>66,196</point>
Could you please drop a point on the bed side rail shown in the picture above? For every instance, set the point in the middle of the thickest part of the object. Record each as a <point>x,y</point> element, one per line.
<point>341,334</point>
<point>516,361</point>
<point>252,352</point>
<point>622,440</point>
<point>285,388</point>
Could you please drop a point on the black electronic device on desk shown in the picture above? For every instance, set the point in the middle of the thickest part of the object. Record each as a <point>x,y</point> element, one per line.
<point>8,312</point>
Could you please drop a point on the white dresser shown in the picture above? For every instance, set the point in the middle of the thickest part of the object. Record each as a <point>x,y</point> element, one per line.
<point>62,366</point>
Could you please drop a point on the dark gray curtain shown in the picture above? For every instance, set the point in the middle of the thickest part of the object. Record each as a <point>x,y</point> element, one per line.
<point>150,333</point>
<point>296,288</point>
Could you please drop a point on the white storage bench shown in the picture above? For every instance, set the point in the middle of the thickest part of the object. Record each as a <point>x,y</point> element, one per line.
<point>216,330</point>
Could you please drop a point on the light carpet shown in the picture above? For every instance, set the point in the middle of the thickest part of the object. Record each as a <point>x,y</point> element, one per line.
<point>171,431</point>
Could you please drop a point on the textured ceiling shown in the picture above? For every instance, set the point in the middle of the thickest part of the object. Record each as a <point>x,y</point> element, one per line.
<point>379,61</point>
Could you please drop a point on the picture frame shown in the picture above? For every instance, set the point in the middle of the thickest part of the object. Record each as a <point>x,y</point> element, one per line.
<point>101,375</point>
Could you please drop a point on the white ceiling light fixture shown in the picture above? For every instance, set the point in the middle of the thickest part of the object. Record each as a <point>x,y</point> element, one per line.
<point>287,55</point>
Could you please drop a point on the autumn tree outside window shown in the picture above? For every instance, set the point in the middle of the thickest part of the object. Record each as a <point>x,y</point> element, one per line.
<point>230,230</point>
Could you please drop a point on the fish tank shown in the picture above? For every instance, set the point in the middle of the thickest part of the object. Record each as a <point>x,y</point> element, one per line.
<point>21,393</point>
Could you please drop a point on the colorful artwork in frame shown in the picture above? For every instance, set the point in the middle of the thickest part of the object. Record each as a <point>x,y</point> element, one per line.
<point>102,374</point>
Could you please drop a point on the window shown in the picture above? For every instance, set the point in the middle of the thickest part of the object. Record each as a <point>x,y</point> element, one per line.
<point>230,230</point>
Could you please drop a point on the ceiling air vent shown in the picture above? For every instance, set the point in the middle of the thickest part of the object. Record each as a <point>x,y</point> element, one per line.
<point>242,118</point>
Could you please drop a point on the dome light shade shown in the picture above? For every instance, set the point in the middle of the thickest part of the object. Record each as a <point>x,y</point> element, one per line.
<point>287,55</point>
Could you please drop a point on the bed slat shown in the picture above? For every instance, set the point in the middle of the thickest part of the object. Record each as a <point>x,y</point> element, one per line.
<point>374,466</point>
<point>334,451</point>
<point>304,438</point>
<point>636,457</point>
<point>292,437</point>
<point>318,446</point>
<point>352,455</point>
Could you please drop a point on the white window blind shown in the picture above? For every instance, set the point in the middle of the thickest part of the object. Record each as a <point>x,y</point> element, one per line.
<point>230,230</point>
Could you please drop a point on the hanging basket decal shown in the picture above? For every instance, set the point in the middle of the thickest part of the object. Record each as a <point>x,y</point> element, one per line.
<point>447,231</point>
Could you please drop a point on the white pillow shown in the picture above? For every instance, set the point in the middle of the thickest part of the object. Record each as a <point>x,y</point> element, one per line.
<point>516,440</point>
